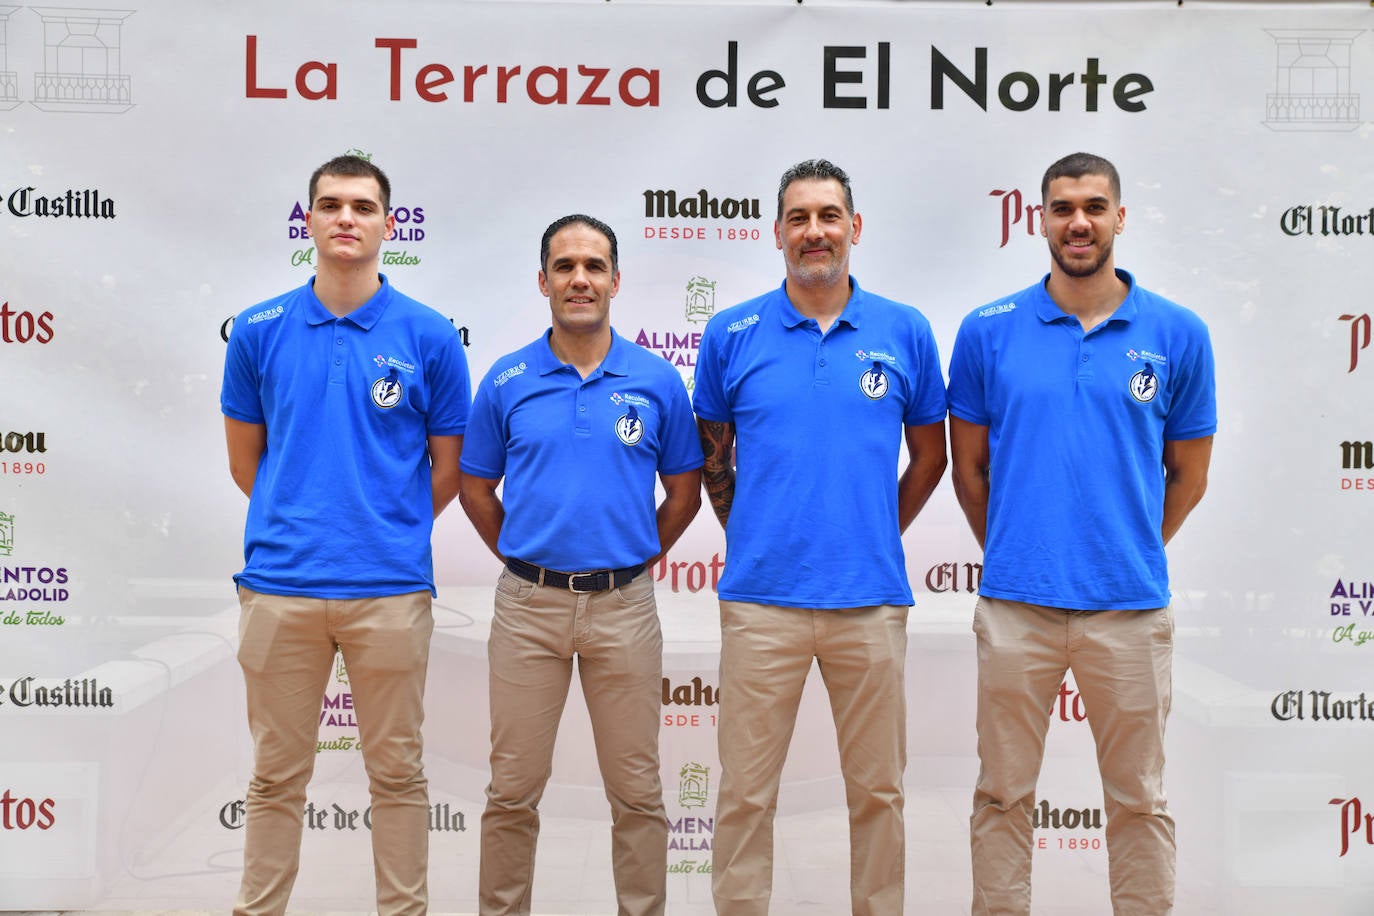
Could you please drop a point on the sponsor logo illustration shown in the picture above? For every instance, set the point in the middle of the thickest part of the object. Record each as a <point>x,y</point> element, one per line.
<point>1354,595</point>
<point>690,832</point>
<point>662,204</point>
<point>338,724</point>
<point>680,346</point>
<point>1350,598</point>
<point>954,577</point>
<point>505,375</point>
<point>1360,328</point>
<point>1069,705</point>
<point>1133,354</point>
<point>18,812</point>
<point>700,304</point>
<point>392,362</point>
<point>1312,81</point>
<point>1325,220</point>
<point>332,816</point>
<point>28,584</point>
<point>690,575</point>
<point>1357,456</point>
<point>1061,821</point>
<point>1356,824</point>
<point>21,327</point>
<point>686,705</point>
<point>748,322</point>
<point>1017,215</point>
<point>1321,706</point>
<point>73,203</point>
<point>678,349</point>
<point>82,55</point>
<point>997,310</point>
<point>79,693</point>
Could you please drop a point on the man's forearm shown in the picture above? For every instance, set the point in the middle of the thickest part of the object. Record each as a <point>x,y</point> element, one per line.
<point>718,473</point>
<point>484,509</point>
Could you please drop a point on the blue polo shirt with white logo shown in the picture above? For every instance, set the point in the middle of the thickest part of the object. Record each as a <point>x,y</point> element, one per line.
<point>1076,429</point>
<point>580,457</point>
<point>342,505</point>
<point>819,425</point>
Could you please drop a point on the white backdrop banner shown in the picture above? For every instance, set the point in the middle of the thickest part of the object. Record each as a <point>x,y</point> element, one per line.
<point>153,183</point>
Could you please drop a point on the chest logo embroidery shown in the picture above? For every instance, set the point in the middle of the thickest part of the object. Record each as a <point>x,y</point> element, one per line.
<point>630,428</point>
<point>874,383</point>
<point>387,391</point>
<point>1144,384</point>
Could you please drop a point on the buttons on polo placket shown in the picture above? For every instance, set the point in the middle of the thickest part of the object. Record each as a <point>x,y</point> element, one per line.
<point>1086,368</point>
<point>337,369</point>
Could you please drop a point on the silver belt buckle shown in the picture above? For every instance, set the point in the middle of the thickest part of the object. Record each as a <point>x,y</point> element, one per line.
<point>572,582</point>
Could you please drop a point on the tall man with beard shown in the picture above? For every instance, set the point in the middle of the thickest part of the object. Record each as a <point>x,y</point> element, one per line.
<point>1082,412</point>
<point>812,388</point>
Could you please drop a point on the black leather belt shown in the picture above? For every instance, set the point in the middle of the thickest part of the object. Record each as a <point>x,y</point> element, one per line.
<point>598,580</point>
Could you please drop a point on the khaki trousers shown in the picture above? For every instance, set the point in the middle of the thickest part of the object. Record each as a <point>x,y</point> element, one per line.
<point>766,653</point>
<point>1122,663</point>
<point>286,650</point>
<point>615,635</point>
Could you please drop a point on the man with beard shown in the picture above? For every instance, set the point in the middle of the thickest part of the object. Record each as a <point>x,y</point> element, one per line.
<point>815,385</point>
<point>1081,418</point>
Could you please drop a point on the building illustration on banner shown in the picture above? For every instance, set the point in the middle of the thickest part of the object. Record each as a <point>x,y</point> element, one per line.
<point>82,64</point>
<point>6,534</point>
<point>701,300</point>
<point>694,786</point>
<point>1312,85</point>
<point>82,61</point>
<point>9,79</point>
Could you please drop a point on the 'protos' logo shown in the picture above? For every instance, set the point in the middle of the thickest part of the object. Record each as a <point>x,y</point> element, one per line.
<point>23,813</point>
<point>22,327</point>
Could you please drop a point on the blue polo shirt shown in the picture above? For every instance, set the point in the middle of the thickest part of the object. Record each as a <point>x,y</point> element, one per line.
<point>580,457</point>
<point>342,504</point>
<point>1076,429</point>
<point>818,435</point>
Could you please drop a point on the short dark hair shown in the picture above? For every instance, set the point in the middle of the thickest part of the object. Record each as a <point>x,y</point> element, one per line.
<point>590,222</point>
<point>1076,165</point>
<point>352,167</point>
<point>820,170</point>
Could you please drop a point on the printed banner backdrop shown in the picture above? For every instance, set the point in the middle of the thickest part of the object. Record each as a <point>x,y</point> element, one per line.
<point>152,185</point>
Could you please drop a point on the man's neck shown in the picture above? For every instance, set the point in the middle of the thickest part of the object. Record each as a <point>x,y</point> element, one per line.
<point>1091,299</point>
<point>583,351</point>
<point>343,289</point>
<point>823,304</point>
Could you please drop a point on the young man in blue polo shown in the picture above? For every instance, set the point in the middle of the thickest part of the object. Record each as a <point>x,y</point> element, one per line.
<point>813,387</point>
<point>344,407</point>
<point>1082,413</point>
<point>580,424</point>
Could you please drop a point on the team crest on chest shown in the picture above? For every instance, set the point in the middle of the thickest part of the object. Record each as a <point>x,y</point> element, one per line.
<point>630,428</point>
<point>387,391</point>
<point>1144,384</point>
<point>874,383</point>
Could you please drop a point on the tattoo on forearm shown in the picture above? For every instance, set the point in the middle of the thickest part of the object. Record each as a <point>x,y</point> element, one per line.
<point>718,473</point>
